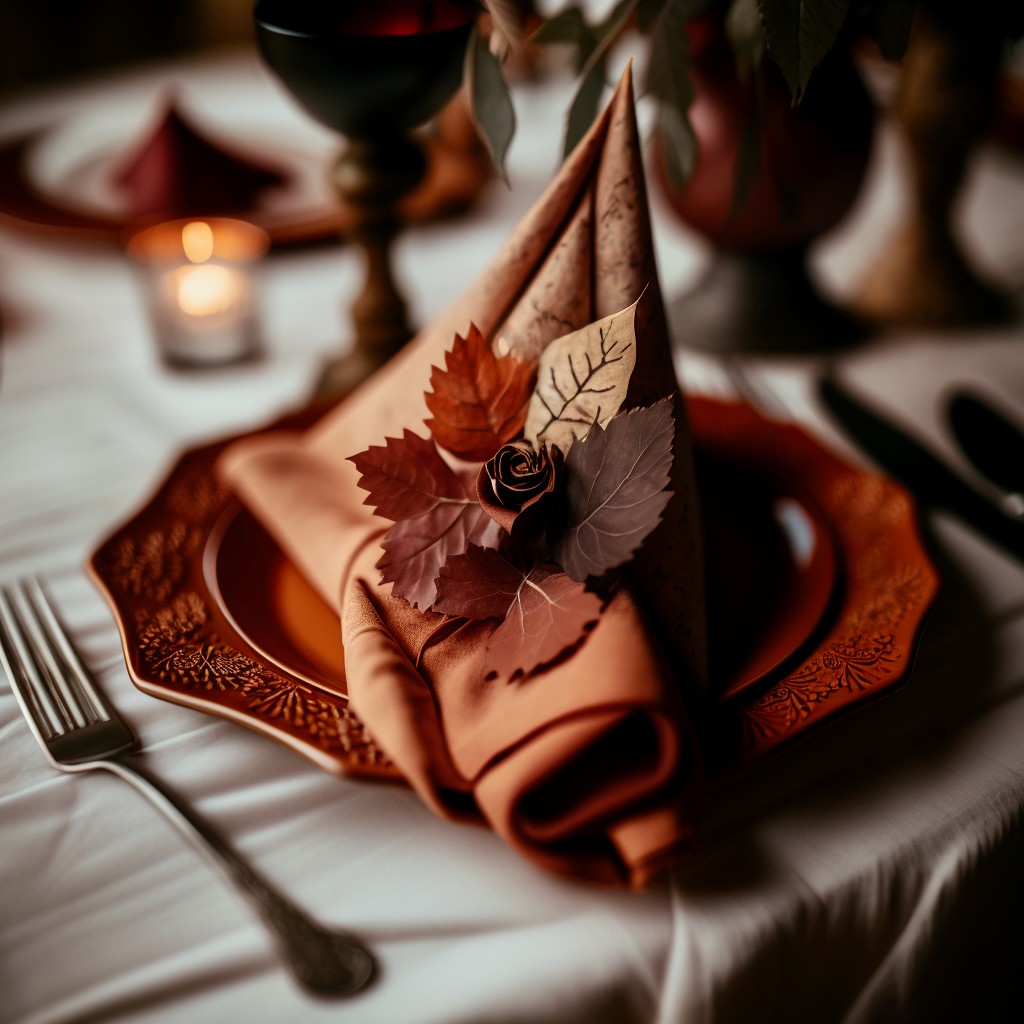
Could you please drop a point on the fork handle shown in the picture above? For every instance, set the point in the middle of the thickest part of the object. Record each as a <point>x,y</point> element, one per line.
<point>322,961</point>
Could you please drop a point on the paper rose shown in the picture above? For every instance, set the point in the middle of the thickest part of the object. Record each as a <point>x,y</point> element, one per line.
<point>516,485</point>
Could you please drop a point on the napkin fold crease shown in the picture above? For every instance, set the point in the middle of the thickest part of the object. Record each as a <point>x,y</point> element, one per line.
<point>589,767</point>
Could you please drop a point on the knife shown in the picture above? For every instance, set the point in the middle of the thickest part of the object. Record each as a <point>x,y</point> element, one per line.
<point>927,477</point>
<point>993,445</point>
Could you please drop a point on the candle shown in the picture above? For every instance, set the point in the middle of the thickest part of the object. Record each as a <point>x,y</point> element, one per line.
<point>208,294</point>
<point>199,280</point>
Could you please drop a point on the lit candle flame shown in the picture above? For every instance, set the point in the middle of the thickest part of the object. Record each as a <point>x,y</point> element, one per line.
<point>197,241</point>
<point>205,291</point>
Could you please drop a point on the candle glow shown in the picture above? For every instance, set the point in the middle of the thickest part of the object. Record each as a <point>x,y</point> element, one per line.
<point>199,276</point>
<point>206,290</point>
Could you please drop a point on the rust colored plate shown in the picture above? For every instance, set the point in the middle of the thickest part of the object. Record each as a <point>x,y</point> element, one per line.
<point>270,604</point>
<point>818,585</point>
<point>772,568</point>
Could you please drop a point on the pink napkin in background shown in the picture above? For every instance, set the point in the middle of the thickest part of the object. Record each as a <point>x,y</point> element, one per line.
<point>589,767</point>
<point>178,171</point>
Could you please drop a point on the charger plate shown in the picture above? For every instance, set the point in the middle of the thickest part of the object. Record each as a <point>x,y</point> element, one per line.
<point>818,587</point>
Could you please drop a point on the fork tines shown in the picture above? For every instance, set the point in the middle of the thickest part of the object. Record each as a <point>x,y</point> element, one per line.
<point>45,671</point>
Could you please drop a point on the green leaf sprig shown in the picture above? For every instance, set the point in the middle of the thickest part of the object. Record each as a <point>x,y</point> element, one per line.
<point>795,34</point>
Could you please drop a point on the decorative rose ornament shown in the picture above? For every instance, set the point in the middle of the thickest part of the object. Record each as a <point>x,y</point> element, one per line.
<point>519,479</point>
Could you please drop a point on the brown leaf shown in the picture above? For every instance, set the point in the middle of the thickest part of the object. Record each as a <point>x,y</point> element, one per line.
<point>479,399</point>
<point>617,488</point>
<point>480,584</point>
<point>545,614</point>
<point>406,477</point>
<point>549,618</point>
<point>582,379</point>
<point>416,549</point>
<point>434,509</point>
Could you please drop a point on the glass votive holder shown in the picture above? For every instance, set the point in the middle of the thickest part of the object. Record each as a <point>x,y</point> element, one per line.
<point>199,276</point>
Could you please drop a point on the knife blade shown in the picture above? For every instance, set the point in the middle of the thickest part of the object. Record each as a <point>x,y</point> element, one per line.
<point>913,464</point>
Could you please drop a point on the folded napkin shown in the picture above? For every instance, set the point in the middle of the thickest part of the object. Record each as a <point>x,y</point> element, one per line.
<point>175,170</point>
<point>589,765</point>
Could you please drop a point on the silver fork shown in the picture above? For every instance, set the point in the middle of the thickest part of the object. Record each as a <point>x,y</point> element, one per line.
<point>79,731</point>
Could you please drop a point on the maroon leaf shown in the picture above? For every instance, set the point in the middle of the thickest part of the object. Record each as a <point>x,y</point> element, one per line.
<point>544,613</point>
<point>406,477</point>
<point>479,399</point>
<point>616,489</point>
<point>416,549</point>
<point>549,618</point>
<point>435,510</point>
<point>480,584</point>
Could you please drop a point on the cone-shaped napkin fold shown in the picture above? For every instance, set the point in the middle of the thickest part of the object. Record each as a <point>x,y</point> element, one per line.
<point>177,171</point>
<point>588,766</point>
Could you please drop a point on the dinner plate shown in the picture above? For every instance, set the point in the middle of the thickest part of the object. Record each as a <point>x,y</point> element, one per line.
<point>818,585</point>
<point>761,533</point>
<point>269,603</point>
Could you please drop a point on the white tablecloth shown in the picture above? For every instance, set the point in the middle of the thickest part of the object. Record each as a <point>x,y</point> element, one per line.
<point>872,874</point>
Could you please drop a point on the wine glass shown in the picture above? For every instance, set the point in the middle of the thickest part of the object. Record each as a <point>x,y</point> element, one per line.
<point>372,72</point>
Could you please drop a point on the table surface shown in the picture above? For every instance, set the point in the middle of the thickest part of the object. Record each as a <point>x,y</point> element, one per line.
<point>869,874</point>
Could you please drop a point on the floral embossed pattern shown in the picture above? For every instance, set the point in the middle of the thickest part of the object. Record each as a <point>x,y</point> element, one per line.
<point>181,646</point>
<point>868,646</point>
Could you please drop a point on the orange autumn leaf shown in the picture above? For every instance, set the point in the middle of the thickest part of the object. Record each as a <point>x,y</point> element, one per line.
<point>479,399</point>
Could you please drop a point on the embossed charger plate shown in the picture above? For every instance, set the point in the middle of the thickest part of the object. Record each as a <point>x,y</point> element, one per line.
<point>818,586</point>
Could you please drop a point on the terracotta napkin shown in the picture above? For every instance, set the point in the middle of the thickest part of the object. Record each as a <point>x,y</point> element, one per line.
<point>588,767</point>
<point>176,170</point>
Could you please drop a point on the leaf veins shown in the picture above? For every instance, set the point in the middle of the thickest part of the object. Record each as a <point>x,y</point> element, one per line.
<point>435,512</point>
<point>479,399</point>
<point>544,614</point>
<point>416,549</point>
<point>617,488</point>
<point>405,477</point>
<point>582,379</point>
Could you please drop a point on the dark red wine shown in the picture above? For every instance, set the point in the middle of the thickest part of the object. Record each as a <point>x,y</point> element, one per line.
<point>399,17</point>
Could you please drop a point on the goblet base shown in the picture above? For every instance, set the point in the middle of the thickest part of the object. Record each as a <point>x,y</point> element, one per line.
<point>341,374</point>
<point>761,302</point>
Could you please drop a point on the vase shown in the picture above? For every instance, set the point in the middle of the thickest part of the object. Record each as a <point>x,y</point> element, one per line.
<point>770,178</point>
